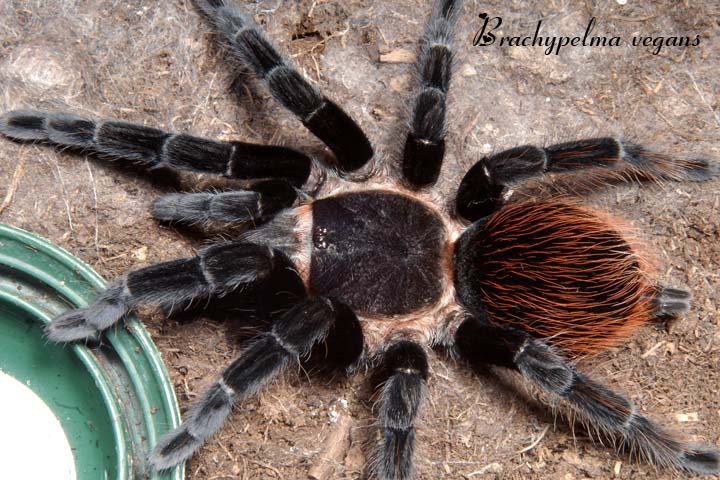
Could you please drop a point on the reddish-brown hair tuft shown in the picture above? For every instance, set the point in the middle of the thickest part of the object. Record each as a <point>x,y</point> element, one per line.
<point>561,272</point>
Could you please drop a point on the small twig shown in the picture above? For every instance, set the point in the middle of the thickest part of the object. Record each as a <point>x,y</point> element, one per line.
<point>64,194</point>
<point>455,462</point>
<point>265,465</point>
<point>230,455</point>
<point>317,68</point>
<point>652,349</point>
<point>95,206</point>
<point>634,19</point>
<point>13,184</point>
<point>466,131</point>
<point>535,442</point>
<point>333,451</point>
<point>487,467</point>
<point>702,97</point>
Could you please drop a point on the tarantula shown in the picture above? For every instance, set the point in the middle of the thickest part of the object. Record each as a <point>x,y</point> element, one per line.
<point>376,272</point>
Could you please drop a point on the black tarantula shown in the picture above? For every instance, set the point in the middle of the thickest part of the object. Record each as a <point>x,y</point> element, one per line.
<point>376,272</point>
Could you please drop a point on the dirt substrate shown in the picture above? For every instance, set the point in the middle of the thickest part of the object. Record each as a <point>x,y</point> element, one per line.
<point>158,65</point>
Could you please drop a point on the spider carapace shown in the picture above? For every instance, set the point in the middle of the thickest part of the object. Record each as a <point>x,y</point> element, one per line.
<point>379,270</point>
<point>381,252</point>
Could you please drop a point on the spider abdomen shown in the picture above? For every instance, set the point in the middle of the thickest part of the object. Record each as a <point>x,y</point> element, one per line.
<point>556,270</point>
<point>380,252</point>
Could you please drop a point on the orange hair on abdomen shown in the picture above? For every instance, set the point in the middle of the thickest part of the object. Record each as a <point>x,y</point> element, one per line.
<point>563,273</point>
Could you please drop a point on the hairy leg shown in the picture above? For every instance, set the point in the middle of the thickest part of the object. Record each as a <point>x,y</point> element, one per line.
<point>425,144</point>
<point>292,336</point>
<point>481,190</point>
<point>325,119</point>
<point>153,148</point>
<point>670,302</point>
<point>258,204</point>
<point>404,370</point>
<point>603,410</point>
<point>216,269</point>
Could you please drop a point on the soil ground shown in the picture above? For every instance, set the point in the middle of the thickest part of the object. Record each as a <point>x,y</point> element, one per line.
<point>157,63</point>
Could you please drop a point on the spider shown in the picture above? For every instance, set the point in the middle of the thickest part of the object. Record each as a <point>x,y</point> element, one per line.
<point>371,272</point>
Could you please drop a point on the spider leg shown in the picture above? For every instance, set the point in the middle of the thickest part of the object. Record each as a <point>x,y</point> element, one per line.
<point>258,303</point>
<point>670,302</point>
<point>481,342</point>
<point>153,148</point>
<point>216,269</point>
<point>425,144</point>
<point>404,368</point>
<point>325,119</point>
<point>292,336</point>
<point>481,190</point>
<point>258,204</point>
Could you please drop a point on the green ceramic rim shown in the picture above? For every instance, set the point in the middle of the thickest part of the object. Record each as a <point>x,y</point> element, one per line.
<point>113,401</point>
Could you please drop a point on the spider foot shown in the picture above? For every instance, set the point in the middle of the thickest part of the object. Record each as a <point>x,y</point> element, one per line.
<point>174,448</point>
<point>71,326</point>
<point>700,460</point>
<point>24,125</point>
<point>670,302</point>
<point>656,166</point>
<point>85,323</point>
<point>203,420</point>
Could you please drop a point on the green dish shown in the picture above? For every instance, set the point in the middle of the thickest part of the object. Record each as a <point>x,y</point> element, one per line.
<point>114,401</point>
